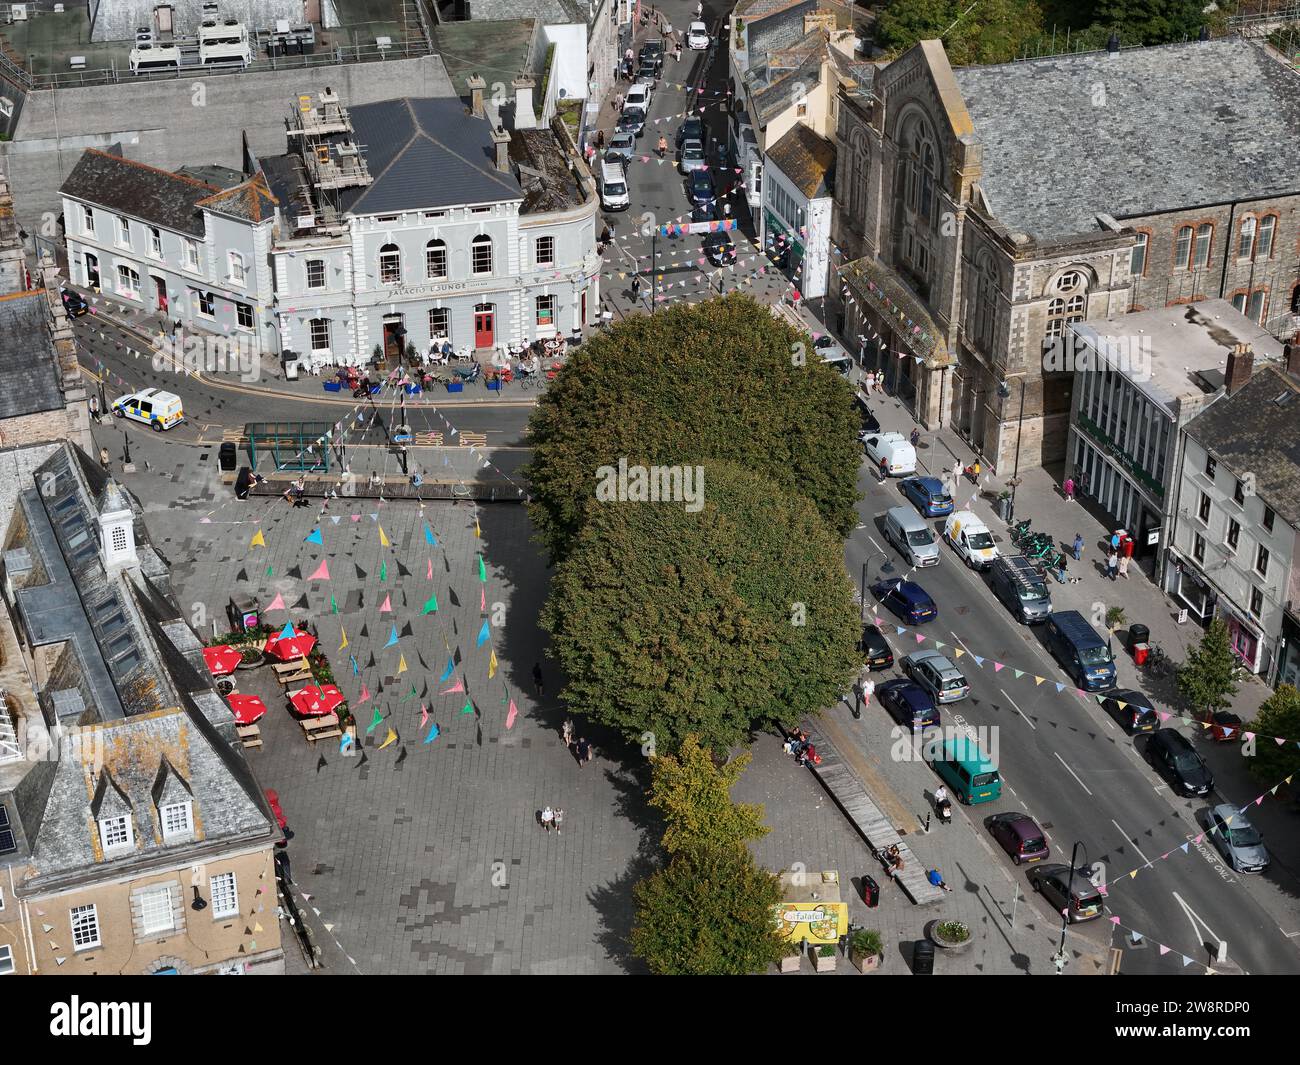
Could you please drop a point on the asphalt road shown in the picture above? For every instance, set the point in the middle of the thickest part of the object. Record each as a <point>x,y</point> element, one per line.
<point>1081,777</point>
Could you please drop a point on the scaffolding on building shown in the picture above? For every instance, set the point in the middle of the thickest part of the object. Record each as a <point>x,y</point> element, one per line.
<point>329,151</point>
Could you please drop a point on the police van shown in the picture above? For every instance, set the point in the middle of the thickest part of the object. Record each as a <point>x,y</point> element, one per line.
<point>157,409</point>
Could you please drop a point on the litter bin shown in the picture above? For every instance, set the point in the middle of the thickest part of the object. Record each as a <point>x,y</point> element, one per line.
<point>1140,652</point>
<point>228,457</point>
<point>923,958</point>
<point>1138,634</point>
<point>1004,508</point>
<point>870,892</point>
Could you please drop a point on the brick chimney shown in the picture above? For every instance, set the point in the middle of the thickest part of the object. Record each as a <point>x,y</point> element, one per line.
<point>501,139</point>
<point>1291,350</point>
<point>1241,360</point>
<point>476,86</point>
<point>524,116</point>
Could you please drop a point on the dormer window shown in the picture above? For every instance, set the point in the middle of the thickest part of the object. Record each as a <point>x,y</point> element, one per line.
<point>115,834</point>
<point>177,821</point>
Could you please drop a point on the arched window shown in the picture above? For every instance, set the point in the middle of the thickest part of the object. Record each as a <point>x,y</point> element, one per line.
<point>390,265</point>
<point>986,304</point>
<point>435,260</point>
<point>1264,245</point>
<point>1066,309</point>
<point>1246,238</point>
<point>1204,240</point>
<point>480,255</point>
<point>1183,248</point>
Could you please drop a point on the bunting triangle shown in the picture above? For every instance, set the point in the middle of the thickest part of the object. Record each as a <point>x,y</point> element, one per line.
<point>389,739</point>
<point>401,663</point>
<point>386,607</point>
<point>345,637</point>
<point>482,570</point>
<point>322,572</point>
<point>375,721</point>
<point>492,665</point>
<point>383,540</point>
<point>314,537</point>
<point>483,635</point>
<point>433,733</point>
<point>277,603</point>
<point>258,539</point>
<point>510,716</point>
<point>392,637</point>
<point>430,605</point>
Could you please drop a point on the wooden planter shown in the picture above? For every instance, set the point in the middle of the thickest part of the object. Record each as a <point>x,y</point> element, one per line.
<point>792,963</point>
<point>822,964</point>
<point>865,963</point>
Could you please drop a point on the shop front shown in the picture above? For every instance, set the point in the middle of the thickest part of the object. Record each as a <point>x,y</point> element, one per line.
<point>1190,590</point>
<point>1288,652</point>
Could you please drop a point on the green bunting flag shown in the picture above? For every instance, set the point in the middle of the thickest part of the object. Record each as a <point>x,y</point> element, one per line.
<point>268,571</point>
<point>375,723</point>
<point>468,708</point>
<point>334,606</point>
<point>430,606</point>
<point>482,569</point>
<point>383,571</point>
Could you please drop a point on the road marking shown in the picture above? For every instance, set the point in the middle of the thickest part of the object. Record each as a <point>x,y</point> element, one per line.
<point>1072,773</point>
<point>1018,710</point>
<point>1130,840</point>
<point>1195,919</point>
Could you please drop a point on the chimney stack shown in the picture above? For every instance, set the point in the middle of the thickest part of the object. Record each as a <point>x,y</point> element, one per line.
<point>501,139</point>
<point>476,86</point>
<point>524,116</point>
<point>1291,351</point>
<point>1241,360</point>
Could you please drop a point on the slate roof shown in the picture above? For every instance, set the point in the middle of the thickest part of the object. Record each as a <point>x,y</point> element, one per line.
<point>427,152</point>
<point>807,159</point>
<point>497,50</point>
<point>773,30</point>
<point>251,201</point>
<point>28,361</point>
<point>780,92</point>
<point>1181,125</point>
<point>139,191</point>
<point>1250,431</point>
<point>551,185</point>
<point>547,12</point>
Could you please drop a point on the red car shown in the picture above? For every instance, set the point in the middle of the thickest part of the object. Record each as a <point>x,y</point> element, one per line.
<point>1019,835</point>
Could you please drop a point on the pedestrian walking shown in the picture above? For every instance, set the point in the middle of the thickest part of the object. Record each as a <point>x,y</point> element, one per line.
<point>868,689</point>
<point>600,139</point>
<point>884,470</point>
<point>636,287</point>
<point>1078,547</point>
<point>559,820</point>
<point>936,878</point>
<point>104,458</point>
<point>548,818</point>
<point>537,678</point>
<point>916,436</point>
<point>1068,489</point>
<point>699,11</point>
<point>1115,539</point>
<point>618,102</point>
<point>582,751</point>
<point>1125,555</point>
<point>880,382</point>
<point>870,381</point>
<point>567,733</point>
<point>677,53</point>
<point>1112,563</point>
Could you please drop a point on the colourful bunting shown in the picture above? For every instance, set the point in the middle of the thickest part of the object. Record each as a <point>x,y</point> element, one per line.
<point>258,540</point>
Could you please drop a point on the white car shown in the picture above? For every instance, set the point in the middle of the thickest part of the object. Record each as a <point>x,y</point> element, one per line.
<point>894,448</point>
<point>697,36</point>
<point>638,99</point>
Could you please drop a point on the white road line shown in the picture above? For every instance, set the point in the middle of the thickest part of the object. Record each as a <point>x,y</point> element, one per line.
<point>1195,919</point>
<point>1129,840</point>
<point>1072,773</point>
<point>1018,710</point>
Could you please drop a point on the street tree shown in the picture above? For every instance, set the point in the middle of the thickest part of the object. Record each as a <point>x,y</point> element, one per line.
<point>1278,716</point>
<point>1205,680</point>
<point>720,380</point>
<point>693,793</point>
<point>669,622</point>
<point>1150,22</point>
<point>708,913</point>
<point>997,31</point>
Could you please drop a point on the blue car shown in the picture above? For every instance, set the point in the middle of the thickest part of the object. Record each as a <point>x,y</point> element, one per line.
<point>907,599</point>
<point>699,188</point>
<point>928,495</point>
<point>909,704</point>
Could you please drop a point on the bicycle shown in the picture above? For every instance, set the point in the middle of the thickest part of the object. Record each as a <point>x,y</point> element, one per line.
<point>529,381</point>
<point>1019,529</point>
<point>1158,663</point>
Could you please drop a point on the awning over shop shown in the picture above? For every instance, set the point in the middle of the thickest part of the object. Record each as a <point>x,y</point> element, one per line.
<point>777,226</point>
<point>877,288</point>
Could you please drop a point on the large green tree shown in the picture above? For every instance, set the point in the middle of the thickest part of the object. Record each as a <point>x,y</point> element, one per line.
<point>693,793</point>
<point>1278,716</point>
<point>1205,680</point>
<point>721,380</point>
<point>994,31</point>
<point>1150,21</point>
<point>669,621</point>
<point>709,913</point>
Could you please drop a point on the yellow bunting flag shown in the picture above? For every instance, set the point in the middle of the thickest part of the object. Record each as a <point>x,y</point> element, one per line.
<point>258,540</point>
<point>345,637</point>
<point>476,528</point>
<point>401,664</point>
<point>391,738</point>
<point>492,665</point>
<point>383,540</point>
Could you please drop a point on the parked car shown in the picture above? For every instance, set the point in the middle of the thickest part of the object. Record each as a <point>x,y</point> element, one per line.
<point>697,36</point>
<point>1019,835</point>
<point>908,704</point>
<point>937,675</point>
<point>632,122</point>
<point>706,212</point>
<point>876,652</point>
<point>1176,759</point>
<point>1063,887</point>
<point>1132,710</point>
<point>699,187</point>
<point>893,447</point>
<point>690,130</point>
<point>73,303</point>
<point>638,98</point>
<point>691,157</point>
<point>971,539</point>
<point>647,71</point>
<point>719,249</point>
<point>870,423</point>
<point>621,148</point>
<point>928,495</point>
<point>1237,839</point>
<point>907,599</point>
<point>652,51</point>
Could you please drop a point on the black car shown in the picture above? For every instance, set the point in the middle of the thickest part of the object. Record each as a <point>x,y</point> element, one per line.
<point>1132,710</point>
<point>870,423</point>
<point>876,652</point>
<point>632,122</point>
<point>654,48</point>
<point>73,303</point>
<point>1173,755</point>
<point>908,703</point>
<point>719,249</point>
<point>707,212</point>
<point>699,187</point>
<point>690,130</point>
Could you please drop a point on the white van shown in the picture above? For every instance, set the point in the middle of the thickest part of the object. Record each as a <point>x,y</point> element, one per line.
<point>613,187</point>
<point>971,539</point>
<point>894,448</point>
<point>152,407</point>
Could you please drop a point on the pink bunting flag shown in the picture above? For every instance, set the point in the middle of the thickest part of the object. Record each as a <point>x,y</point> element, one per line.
<point>387,605</point>
<point>510,717</point>
<point>277,603</point>
<point>919,637</point>
<point>424,715</point>
<point>459,686</point>
<point>355,517</point>
<point>365,693</point>
<point>322,572</point>
<point>998,667</point>
<point>429,575</point>
<point>482,598</point>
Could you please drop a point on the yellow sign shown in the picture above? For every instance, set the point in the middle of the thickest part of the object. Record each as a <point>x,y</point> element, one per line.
<point>816,922</point>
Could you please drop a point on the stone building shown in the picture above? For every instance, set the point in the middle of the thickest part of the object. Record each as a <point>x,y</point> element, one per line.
<point>982,210</point>
<point>133,837</point>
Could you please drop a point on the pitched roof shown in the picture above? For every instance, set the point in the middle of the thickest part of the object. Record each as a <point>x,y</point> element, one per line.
<point>138,190</point>
<point>1257,430</point>
<point>547,12</point>
<point>1182,125</point>
<point>252,201</point>
<point>785,85</point>
<point>427,152</point>
<point>806,158</point>
<point>28,362</point>
<point>546,179</point>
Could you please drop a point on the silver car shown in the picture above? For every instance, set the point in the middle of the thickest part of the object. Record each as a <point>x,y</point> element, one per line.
<point>1237,839</point>
<point>937,675</point>
<point>692,157</point>
<point>622,146</point>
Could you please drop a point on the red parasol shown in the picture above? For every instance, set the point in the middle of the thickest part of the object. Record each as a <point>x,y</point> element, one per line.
<point>317,702</point>
<point>289,648</point>
<point>222,659</point>
<point>246,708</point>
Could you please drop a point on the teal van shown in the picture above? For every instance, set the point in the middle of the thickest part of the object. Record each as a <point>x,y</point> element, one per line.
<point>966,769</point>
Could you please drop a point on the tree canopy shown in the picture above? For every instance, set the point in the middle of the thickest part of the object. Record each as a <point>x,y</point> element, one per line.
<point>1150,21</point>
<point>720,380</point>
<point>996,31</point>
<point>1205,680</point>
<point>1278,716</point>
<point>669,622</point>
<point>693,793</point>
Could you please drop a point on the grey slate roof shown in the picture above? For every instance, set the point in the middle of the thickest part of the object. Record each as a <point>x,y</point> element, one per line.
<point>784,86</point>
<point>551,186</point>
<point>771,32</point>
<point>548,12</point>
<point>428,152</point>
<point>1181,125</point>
<point>1251,432</point>
<point>145,192</point>
<point>807,159</point>
<point>28,362</point>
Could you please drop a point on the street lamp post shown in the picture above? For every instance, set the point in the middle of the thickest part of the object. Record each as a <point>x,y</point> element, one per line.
<point>1004,392</point>
<point>1059,959</point>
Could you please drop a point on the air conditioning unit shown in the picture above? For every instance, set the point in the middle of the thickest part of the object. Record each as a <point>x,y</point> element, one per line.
<point>18,12</point>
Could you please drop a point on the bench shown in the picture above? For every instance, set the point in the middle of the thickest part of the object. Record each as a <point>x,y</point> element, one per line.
<point>281,668</point>
<point>300,673</point>
<point>317,728</point>
<point>249,735</point>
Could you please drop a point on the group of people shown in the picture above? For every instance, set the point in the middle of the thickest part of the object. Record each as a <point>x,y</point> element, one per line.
<point>802,748</point>
<point>552,817</point>
<point>892,858</point>
<point>1120,554</point>
<point>582,750</point>
<point>873,382</point>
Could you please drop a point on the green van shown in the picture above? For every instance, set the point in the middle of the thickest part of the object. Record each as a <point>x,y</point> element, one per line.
<point>964,767</point>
